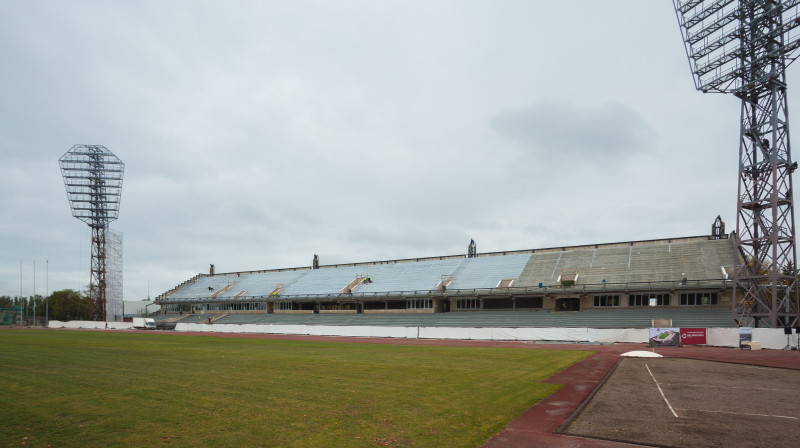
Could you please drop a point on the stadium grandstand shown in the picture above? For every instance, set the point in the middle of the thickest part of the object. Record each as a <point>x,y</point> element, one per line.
<point>687,281</point>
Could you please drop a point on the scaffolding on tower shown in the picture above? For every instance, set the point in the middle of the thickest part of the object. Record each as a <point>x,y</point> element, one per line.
<point>113,276</point>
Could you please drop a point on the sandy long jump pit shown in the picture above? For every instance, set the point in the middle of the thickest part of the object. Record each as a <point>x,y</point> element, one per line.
<point>692,403</point>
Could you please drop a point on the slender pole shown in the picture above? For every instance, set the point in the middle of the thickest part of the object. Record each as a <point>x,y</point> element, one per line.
<point>47,292</point>
<point>34,293</point>
<point>20,292</point>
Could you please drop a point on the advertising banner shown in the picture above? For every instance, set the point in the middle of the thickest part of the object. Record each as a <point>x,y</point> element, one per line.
<point>665,337</point>
<point>745,335</point>
<point>694,336</point>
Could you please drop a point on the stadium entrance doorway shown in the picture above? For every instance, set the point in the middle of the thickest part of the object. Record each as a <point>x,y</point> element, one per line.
<point>569,304</point>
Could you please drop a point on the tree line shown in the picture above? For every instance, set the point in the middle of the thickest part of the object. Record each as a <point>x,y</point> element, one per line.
<point>66,304</point>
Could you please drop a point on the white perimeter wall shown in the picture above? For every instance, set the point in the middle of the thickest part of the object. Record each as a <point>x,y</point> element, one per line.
<point>720,337</point>
<point>91,324</point>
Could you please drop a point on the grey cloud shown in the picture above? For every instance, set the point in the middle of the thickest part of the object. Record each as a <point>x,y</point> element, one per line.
<point>554,129</point>
<point>258,135</point>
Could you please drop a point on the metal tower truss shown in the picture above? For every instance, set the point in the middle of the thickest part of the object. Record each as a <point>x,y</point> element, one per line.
<point>93,180</point>
<point>743,47</point>
<point>97,282</point>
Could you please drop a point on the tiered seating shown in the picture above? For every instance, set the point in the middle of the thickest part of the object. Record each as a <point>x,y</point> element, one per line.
<point>714,252</point>
<point>651,263</point>
<point>199,288</point>
<point>324,281</point>
<point>581,260</point>
<point>494,319</point>
<point>689,260</point>
<point>242,319</point>
<point>541,268</point>
<point>396,320</point>
<point>407,276</point>
<point>195,318</point>
<point>628,318</point>
<point>607,318</point>
<point>260,283</point>
<point>329,319</point>
<point>486,272</point>
<point>659,262</point>
<point>610,264</point>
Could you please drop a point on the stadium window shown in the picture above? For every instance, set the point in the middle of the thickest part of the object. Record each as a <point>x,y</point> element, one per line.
<point>644,299</point>
<point>699,298</point>
<point>529,302</point>
<point>606,300</point>
<point>468,304</point>
<point>285,306</point>
<point>419,304</point>
<point>336,306</point>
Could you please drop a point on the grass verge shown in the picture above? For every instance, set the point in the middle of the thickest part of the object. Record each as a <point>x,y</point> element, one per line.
<point>96,388</point>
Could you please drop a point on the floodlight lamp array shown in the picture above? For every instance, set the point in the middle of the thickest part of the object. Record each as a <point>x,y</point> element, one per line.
<point>93,180</point>
<point>735,44</point>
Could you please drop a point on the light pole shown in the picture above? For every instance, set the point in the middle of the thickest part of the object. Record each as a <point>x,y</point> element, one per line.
<point>20,293</point>
<point>34,293</point>
<point>743,48</point>
<point>93,180</point>
<point>47,293</point>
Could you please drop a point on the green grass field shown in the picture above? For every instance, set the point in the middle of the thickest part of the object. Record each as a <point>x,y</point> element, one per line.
<point>96,388</point>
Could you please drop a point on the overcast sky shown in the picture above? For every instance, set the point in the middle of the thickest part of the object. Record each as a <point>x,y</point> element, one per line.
<point>258,133</point>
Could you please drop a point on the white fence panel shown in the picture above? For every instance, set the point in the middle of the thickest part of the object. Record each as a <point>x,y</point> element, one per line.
<point>505,334</point>
<point>773,338</point>
<point>723,337</point>
<point>90,324</point>
<point>612,335</point>
<point>443,333</point>
<point>554,334</point>
<point>719,337</point>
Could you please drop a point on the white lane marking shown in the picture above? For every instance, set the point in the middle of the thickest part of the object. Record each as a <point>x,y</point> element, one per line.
<point>661,391</point>
<point>742,413</point>
<point>709,386</point>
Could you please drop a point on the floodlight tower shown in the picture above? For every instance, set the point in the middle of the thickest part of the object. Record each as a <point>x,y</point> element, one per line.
<point>743,47</point>
<point>93,179</point>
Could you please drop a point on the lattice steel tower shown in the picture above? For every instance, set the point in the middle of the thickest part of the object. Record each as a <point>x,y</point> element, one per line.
<point>93,179</point>
<point>743,47</point>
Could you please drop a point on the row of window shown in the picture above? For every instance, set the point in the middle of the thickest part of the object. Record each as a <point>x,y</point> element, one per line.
<point>699,298</point>
<point>648,300</point>
<point>235,306</point>
<point>605,300</point>
<point>419,304</point>
<point>245,306</point>
<point>284,306</point>
<point>175,308</point>
<point>337,306</point>
<point>687,299</point>
<point>468,304</point>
